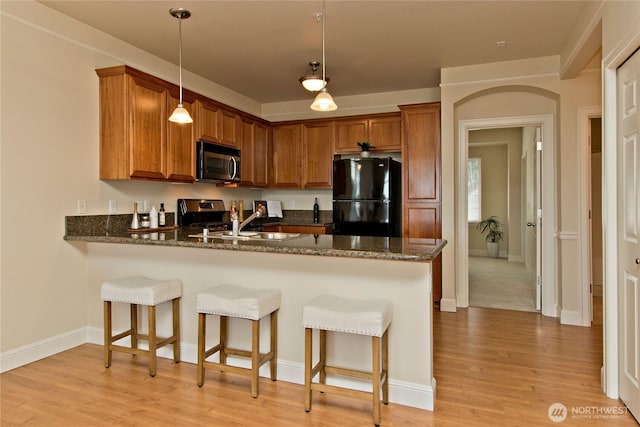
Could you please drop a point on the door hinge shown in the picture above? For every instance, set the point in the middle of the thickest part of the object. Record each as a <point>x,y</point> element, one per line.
<point>539,145</point>
<point>539,280</point>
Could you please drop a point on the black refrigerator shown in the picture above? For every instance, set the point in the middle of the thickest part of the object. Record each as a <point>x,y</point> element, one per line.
<point>367,197</point>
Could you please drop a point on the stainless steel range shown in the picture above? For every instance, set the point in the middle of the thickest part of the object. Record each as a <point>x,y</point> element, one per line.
<point>202,213</point>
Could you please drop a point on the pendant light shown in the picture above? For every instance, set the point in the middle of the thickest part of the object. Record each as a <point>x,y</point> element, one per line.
<point>180,114</point>
<point>311,81</point>
<point>324,101</point>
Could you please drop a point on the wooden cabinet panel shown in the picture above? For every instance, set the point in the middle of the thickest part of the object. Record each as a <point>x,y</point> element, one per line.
<point>180,145</point>
<point>231,124</point>
<point>247,153</point>
<point>147,127</point>
<point>287,156</point>
<point>385,133</point>
<point>207,121</point>
<point>317,157</point>
<point>348,134</point>
<point>421,178</point>
<point>421,153</point>
<point>423,220</point>
<point>260,155</point>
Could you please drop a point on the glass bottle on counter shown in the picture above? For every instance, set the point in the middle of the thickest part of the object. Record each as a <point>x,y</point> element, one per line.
<point>316,212</point>
<point>162,219</point>
<point>153,217</point>
<point>135,220</point>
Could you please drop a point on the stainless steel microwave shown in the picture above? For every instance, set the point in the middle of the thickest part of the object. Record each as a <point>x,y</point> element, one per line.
<point>217,163</point>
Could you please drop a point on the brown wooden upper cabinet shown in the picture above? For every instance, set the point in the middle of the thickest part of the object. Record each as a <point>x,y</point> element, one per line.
<point>231,124</point>
<point>137,141</point>
<point>302,155</point>
<point>207,120</point>
<point>383,131</point>
<point>254,148</point>
<point>287,156</point>
<point>317,155</point>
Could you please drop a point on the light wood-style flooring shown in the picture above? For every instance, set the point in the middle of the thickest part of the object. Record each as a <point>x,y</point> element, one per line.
<point>493,368</point>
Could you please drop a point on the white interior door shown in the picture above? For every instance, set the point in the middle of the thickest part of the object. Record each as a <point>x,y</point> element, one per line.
<point>538,213</point>
<point>628,143</point>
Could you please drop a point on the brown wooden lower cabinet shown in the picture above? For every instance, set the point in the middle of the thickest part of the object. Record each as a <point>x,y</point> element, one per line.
<point>304,229</point>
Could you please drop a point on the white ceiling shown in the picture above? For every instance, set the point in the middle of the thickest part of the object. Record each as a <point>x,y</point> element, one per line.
<point>261,48</point>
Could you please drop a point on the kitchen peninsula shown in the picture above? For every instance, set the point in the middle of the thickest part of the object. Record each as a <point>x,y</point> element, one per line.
<point>303,266</point>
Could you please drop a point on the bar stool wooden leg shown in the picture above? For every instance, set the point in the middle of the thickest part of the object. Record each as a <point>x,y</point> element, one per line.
<point>375,354</point>
<point>323,356</point>
<point>202,331</point>
<point>107,333</point>
<point>255,356</point>
<point>274,345</point>
<point>133,310</point>
<point>153,363</point>
<point>385,368</point>
<point>223,339</point>
<point>176,330</point>
<point>308,350</point>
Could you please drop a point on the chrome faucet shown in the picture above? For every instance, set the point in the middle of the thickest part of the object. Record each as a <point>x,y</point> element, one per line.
<point>260,211</point>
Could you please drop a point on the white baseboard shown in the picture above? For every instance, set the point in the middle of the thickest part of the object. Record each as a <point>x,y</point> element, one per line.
<point>39,350</point>
<point>400,392</point>
<point>516,258</point>
<point>448,304</point>
<point>573,318</point>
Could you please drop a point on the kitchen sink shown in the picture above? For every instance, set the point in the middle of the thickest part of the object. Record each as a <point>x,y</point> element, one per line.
<point>276,236</point>
<point>250,235</point>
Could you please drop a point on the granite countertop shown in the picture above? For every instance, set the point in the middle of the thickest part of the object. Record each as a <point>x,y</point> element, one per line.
<point>94,229</point>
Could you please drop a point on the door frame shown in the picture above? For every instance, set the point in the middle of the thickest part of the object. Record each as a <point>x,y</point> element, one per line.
<point>546,122</point>
<point>585,114</point>
<point>618,55</point>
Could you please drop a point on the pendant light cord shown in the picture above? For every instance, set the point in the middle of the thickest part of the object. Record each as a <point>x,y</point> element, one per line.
<point>180,54</point>
<point>324,62</point>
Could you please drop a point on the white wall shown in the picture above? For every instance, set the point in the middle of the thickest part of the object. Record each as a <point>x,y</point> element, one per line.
<point>510,89</point>
<point>49,160</point>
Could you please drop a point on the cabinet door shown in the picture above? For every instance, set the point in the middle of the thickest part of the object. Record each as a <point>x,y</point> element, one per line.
<point>421,153</point>
<point>207,121</point>
<point>247,153</point>
<point>147,127</point>
<point>287,156</point>
<point>260,155</point>
<point>317,156</point>
<point>180,145</point>
<point>385,132</point>
<point>231,124</point>
<point>348,134</point>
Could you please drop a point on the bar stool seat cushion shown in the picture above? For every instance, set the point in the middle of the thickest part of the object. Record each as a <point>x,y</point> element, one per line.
<point>141,290</point>
<point>237,301</point>
<point>333,313</point>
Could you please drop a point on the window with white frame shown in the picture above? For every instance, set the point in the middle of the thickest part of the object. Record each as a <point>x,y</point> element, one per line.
<point>474,190</point>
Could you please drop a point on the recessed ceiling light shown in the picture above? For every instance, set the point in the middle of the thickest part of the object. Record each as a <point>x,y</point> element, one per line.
<point>501,43</point>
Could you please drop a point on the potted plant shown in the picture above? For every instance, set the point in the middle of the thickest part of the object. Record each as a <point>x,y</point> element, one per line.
<point>490,228</point>
<point>365,147</point>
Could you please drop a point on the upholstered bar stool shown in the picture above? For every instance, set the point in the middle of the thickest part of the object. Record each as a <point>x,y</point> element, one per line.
<point>141,291</point>
<point>236,301</point>
<point>362,317</point>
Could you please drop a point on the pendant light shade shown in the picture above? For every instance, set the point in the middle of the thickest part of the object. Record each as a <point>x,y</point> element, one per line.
<point>311,81</point>
<point>180,114</point>
<point>324,101</point>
